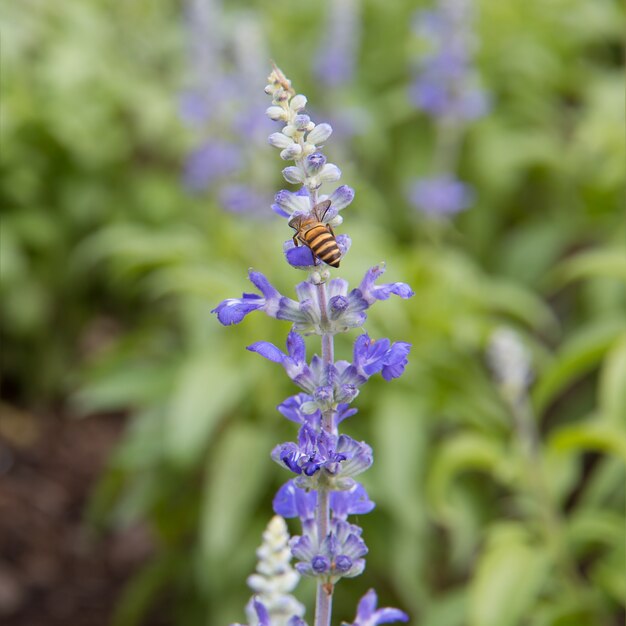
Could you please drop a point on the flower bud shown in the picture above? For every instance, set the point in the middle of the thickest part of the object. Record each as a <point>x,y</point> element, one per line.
<point>314,163</point>
<point>276,113</point>
<point>329,173</point>
<point>298,103</point>
<point>291,152</point>
<point>320,134</point>
<point>302,122</point>
<point>293,175</point>
<point>279,140</point>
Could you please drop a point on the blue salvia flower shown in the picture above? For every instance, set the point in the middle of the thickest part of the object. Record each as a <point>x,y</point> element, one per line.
<point>441,195</point>
<point>335,60</point>
<point>323,492</point>
<point>447,84</point>
<point>223,107</point>
<point>368,615</point>
<point>447,88</point>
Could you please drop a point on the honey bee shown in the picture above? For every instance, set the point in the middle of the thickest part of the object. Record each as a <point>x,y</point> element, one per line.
<point>317,236</point>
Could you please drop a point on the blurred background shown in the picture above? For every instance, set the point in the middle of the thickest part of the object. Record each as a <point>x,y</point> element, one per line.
<point>485,142</point>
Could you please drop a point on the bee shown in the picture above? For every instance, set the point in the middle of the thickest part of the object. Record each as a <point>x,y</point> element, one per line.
<point>317,236</point>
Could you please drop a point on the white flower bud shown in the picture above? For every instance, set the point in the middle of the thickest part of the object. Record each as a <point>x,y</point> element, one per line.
<point>291,152</point>
<point>315,278</point>
<point>293,175</point>
<point>320,134</point>
<point>275,578</point>
<point>510,361</point>
<point>308,148</point>
<point>329,173</point>
<point>278,140</point>
<point>290,130</point>
<point>298,103</point>
<point>276,113</point>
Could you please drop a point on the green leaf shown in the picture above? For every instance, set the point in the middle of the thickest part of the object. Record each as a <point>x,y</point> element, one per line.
<point>206,389</point>
<point>596,434</point>
<point>400,439</point>
<point>579,355</point>
<point>139,595</point>
<point>595,527</point>
<point>612,388</point>
<point>608,262</point>
<point>508,579</point>
<point>235,478</point>
<point>464,452</point>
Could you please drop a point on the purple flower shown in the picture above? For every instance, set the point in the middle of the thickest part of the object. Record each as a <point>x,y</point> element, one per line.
<point>210,162</point>
<point>440,196</point>
<point>367,615</point>
<point>263,617</point>
<point>336,58</point>
<point>446,85</point>
<point>287,203</point>
<point>240,198</point>
<point>338,555</point>
<point>340,458</point>
<point>302,409</point>
<point>294,361</point>
<point>343,310</point>
<point>233,310</point>
<point>291,501</point>
<point>332,386</point>
<point>369,291</point>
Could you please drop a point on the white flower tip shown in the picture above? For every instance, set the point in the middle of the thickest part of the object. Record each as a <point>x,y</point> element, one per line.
<point>329,173</point>
<point>320,134</point>
<point>298,103</point>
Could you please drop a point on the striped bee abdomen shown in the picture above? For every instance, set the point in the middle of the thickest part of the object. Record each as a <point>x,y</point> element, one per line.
<point>323,244</point>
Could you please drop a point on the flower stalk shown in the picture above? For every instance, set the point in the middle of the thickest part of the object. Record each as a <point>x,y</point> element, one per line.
<point>323,492</point>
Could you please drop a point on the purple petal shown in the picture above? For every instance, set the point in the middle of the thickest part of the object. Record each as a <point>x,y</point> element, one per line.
<point>263,285</point>
<point>342,197</point>
<point>300,256</point>
<point>296,347</point>
<point>233,310</point>
<point>267,350</point>
<point>389,616</point>
<point>367,605</point>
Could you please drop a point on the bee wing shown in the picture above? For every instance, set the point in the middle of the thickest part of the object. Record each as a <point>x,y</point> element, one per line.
<point>321,209</point>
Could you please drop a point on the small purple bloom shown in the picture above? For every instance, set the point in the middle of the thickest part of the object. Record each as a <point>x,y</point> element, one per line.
<point>368,615</point>
<point>293,361</point>
<point>336,59</point>
<point>440,196</point>
<point>240,198</point>
<point>233,310</point>
<point>446,85</point>
<point>313,452</point>
<point>210,162</point>
<point>292,501</point>
<point>370,291</point>
<point>339,554</point>
<point>340,458</point>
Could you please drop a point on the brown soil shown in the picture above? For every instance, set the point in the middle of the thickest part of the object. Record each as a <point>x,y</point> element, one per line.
<point>54,569</point>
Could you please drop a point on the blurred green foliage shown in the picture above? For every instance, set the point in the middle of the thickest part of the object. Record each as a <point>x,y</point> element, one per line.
<point>109,270</point>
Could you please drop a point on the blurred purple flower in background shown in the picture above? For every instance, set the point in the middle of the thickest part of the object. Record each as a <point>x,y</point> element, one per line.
<point>223,103</point>
<point>447,88</point>
<point>440,196</point>
<point>446,84</point>
<point>336,58</point>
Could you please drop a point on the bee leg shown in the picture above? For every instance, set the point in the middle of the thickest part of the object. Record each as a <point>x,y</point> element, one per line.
<point>295,241</point>
<point>330,229</point>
